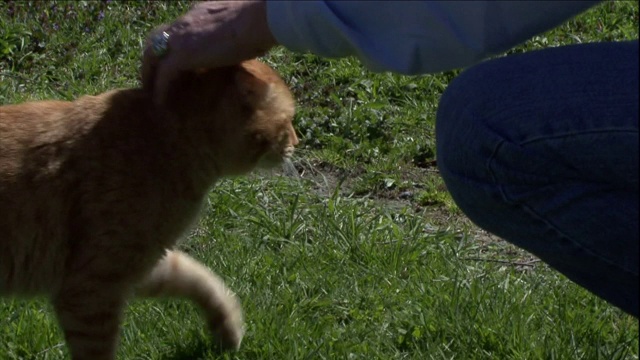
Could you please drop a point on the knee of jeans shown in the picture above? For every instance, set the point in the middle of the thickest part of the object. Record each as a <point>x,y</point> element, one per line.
<point>463,141</point>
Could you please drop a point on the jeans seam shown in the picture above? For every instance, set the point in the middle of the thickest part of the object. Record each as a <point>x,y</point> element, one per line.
<point>539,217</point>
<point>573,133</point>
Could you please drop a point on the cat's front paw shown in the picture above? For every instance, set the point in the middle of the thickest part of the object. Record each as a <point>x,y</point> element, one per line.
<point>228,327</point>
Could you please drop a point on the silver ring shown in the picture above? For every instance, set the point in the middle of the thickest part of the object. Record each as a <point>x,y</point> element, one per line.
<point>160,44</point>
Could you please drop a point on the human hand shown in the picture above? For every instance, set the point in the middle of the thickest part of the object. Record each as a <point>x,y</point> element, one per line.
<point>211,34</point>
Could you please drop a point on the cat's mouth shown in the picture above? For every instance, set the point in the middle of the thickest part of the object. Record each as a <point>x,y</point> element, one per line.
<point>288,153</point>
<point>273,159</point>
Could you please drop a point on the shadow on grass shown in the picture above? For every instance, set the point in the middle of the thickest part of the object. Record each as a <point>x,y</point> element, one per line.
<point>195,350</point>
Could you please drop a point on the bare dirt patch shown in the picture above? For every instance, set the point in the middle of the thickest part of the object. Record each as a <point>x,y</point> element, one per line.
<point>326,179</point>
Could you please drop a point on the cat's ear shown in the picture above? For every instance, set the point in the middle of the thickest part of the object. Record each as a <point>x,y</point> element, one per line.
<point>251,88</point>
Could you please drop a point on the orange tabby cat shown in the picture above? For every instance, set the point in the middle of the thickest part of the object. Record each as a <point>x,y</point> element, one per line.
<point>94,194</point>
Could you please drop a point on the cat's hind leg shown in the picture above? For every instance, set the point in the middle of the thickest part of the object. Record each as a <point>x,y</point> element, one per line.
<point>178,275</point>
<point>90,318</point>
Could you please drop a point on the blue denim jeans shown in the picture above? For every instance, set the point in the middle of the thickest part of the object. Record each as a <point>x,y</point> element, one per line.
<point>541,149</point>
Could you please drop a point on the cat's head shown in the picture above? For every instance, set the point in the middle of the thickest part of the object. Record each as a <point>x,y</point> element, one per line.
<point>245,111</point>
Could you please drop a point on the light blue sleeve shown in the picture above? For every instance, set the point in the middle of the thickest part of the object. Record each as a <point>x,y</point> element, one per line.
<point>414,37</point>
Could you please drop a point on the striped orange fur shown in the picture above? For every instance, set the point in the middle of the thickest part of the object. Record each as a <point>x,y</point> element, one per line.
<point>95,193</point>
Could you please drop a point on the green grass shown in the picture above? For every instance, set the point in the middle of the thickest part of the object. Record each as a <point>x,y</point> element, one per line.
<point>363,256</point>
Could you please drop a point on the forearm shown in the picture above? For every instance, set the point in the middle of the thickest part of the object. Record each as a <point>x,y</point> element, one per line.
<point>414,37</point>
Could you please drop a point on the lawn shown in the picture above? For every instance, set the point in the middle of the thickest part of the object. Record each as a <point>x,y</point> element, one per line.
<point>359,253</point>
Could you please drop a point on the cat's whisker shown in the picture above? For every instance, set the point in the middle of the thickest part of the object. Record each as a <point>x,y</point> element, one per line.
<point>289,168</point>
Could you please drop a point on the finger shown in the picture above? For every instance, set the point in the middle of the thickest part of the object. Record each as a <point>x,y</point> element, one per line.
<point>186,52</point>
<point>153,80</point>
<point>148,73</point>
<point>150,60</point>
<point>165,73</point>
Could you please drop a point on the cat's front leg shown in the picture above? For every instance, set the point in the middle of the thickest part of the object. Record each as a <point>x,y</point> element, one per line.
<point>90,317</point>
<point>178,275</point>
